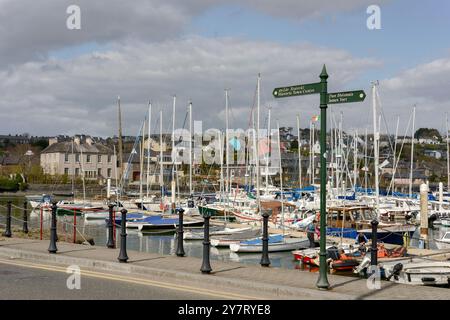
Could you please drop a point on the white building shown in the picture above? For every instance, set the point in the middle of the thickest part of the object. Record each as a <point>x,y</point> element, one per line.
<point>82,155</point>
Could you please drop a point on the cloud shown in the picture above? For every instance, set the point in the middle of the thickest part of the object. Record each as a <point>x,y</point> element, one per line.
<point>30,29</point>
<point>59,96</point>
<point>423,86</point>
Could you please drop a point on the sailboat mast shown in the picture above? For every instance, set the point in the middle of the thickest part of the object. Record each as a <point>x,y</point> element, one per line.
<point>267,155</point>
<point>375,147</point>
<point>299,154</point>
<point>366,168</point>
<point>281,178</point>
<point>310,153</point>
<point>395,154</point>
<point>161,168</point>
<point>257,143</point>
<point>190,148</point>
<point>448,153</point>
<point>227,141</point>
<point>174,171</point>
<point>115,174</point>
<point>73,173</point>
<point>141,163</point>
<point>82,170</point>
<point>412,152</point>
<point>313,154</point>
<point>120,140</point>
<point>148,146</point>
<point>355,159</point>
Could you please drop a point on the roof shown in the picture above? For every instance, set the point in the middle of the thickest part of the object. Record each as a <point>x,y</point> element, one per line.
<point>66,147</point>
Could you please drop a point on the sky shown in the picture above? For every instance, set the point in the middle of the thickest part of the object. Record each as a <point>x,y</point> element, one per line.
<point>54,80</point>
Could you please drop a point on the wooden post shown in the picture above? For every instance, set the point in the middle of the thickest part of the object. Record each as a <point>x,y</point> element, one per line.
<point>424,213</point>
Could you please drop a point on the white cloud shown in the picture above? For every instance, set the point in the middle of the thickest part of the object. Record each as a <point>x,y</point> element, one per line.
<point>69,96</point>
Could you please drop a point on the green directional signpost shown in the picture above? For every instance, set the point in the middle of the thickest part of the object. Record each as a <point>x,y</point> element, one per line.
<point>325,99</point>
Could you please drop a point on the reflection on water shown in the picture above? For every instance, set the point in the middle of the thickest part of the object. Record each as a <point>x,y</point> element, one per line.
<point>161,242</point>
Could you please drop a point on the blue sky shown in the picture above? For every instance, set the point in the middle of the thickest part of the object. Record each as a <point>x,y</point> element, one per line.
<point>413,32</point>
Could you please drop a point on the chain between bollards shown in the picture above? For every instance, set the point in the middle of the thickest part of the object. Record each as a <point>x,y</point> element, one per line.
<point>123,257</point>
<point>111,244</point>
<point>206,266</point>
<point>180,248</point>
<point>8,232</point>
<point>25,217</point>
<point>265,261</point>
<point>53,236</point>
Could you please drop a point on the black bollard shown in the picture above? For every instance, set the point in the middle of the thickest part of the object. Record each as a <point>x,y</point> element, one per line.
<point>374,249</point>
<point>53,237</point>
<point>180,248</point>
<point>265,261</point>
<point>25,217</point>
<point>110,243</point>
<point>206,266</point>
<point>8,232</point>
<point>123,257</point>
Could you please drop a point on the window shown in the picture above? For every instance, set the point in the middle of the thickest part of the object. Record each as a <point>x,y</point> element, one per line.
<point>99,158</point>
<point>77,158</point>
<point>77,171</point>
<point>109,172</point>
<point>99,173</point>
<point>109,158</point>
<point>88,158</point>
<point>66,171</point>
<point>66,157</point>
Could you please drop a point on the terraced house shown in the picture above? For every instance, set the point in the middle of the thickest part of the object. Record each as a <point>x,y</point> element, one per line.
<point>79,155</point>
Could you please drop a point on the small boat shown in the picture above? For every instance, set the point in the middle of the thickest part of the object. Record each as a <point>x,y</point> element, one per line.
<point>130,217</point>
<point>71,208</point>
<point>444,242</point>
<point>418,272</point>
<point>199,234</point>
<point>161,222</point>
<point>95,215</point>
<point>225,241</point>
<point>276,243</point>
<point>38,201</point>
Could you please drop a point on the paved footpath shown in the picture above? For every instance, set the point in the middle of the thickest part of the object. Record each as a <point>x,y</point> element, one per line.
<point>228,280</point>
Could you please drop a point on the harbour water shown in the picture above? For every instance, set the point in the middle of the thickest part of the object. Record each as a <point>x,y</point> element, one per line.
<point>161,243</point>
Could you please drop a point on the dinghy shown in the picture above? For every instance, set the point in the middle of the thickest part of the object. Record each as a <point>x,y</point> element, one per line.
<point>444,242</point>
<point>225,241</point>
<point>160,222</point>
<point>276,243</point>
<point>418,272</point>
<point>199,234</point>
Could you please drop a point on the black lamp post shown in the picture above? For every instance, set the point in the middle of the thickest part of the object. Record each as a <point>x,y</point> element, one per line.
<point>123,257</point>
<point>110,243</point>
<point>8,232</point>
<point>53,236</point>
<point>25,218</point>
<point>180,248</point>
<point>206,266</point>
<point>265,261</point>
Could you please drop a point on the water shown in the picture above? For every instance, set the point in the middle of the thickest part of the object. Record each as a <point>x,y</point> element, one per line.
<point>162,243</point>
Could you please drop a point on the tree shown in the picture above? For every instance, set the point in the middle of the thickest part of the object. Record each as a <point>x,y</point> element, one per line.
<point>427,133</point>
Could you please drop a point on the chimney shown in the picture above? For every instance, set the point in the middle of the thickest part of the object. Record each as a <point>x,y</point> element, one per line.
<point>76,139</point>
<point>89,141</point>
